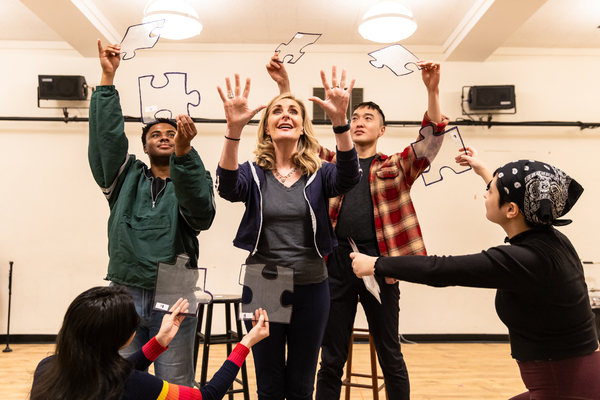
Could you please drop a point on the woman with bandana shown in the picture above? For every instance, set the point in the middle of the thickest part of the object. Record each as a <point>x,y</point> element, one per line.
<point>542,297</point>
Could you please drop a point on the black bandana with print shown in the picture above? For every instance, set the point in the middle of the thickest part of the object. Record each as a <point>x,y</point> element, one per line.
<point>542,192</point>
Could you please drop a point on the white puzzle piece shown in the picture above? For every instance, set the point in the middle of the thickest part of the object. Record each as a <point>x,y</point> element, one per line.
<point>292,50</point>
<point>397,58</point>
<point>139,37</point>
<point>168,100</point>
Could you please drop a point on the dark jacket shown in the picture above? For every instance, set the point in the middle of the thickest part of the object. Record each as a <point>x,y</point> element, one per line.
<point>141,231</point>
<point>331,180</point>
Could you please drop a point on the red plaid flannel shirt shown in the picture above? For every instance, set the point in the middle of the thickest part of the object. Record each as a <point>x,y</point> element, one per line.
<point>391,177</point>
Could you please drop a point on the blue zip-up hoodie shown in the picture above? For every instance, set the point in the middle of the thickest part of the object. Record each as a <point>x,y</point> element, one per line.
<point>331,180</point>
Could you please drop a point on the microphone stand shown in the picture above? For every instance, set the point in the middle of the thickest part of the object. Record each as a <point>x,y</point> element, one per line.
<point>8,349</point>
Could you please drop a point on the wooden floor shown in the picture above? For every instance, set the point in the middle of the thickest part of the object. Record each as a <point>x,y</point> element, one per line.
<point>437,371</point>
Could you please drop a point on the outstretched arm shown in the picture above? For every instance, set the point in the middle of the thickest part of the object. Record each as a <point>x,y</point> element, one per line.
<point>107,148</point>
<point>472,159</point>
<point>278,73</point>
<point>238,114</point>
<point>335,105</point>
<point>217,387</point>
<point>110,59</point>
<point>430,72</point>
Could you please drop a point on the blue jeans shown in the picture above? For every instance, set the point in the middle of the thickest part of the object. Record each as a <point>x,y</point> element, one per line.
<point>293,377</point>
<point>176,365</point>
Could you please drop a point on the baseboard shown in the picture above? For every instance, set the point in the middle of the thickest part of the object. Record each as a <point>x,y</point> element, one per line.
<point>28,339</point>
<point>457,338</point>
<point>418,338</point>
<point>451,338</point>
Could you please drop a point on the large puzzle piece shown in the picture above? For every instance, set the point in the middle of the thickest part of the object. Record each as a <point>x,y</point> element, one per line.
<point>179,280</point>
<point>396,58</point>
<point>267,293</point>
<point>168,100</point>
<point>139,37</point>
<point>293,48</point>
<point>440,150</point>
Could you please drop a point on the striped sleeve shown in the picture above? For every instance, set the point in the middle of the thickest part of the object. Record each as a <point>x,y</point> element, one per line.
<point>143,386</point>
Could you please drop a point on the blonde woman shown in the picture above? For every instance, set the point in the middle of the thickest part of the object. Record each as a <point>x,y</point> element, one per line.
<point>286,223</point>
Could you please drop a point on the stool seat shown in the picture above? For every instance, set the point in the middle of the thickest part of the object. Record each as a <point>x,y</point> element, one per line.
<point>229,338</point>
<point>359,333</point>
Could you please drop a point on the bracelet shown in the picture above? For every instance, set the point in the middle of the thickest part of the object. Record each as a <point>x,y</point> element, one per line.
<point>342,128</point>
<point>227,137</point>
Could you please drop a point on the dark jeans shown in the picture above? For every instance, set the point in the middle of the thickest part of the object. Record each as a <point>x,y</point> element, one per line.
<point>345,289</point>
<point>572,378</point>
<point>293,377</point>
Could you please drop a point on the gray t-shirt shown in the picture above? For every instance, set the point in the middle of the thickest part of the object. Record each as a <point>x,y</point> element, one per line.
<point>287,238</point>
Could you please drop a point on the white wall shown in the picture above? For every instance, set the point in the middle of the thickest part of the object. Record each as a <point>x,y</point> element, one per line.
<point>53,217</point>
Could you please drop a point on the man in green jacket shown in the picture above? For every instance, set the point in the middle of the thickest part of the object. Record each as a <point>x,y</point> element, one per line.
<point>155,213</point>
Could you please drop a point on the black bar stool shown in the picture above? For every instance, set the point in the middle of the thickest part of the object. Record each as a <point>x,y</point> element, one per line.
<point>229,338</point>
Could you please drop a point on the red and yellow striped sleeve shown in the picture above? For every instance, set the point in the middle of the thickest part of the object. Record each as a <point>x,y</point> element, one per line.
<point>171,391</point>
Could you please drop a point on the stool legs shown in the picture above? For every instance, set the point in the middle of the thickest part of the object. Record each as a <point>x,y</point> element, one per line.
<point>198,335</point>
<point>347,382</point>
<point>373,369</point>
<point>229,338</point>
<point>205,349</point>
<point>240,334</point>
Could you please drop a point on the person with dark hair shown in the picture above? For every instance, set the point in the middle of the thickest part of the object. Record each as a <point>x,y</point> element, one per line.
<point>286,191</point>
<point>541,293</point>
<point>156,212</point>
<point>379,216</point>
<point>86,364</point>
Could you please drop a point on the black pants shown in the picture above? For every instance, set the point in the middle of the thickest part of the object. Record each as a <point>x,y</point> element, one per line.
<point>344,289</point>
<point>292,376</point>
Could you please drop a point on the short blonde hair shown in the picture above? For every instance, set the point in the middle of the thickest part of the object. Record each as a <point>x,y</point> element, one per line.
<point>307,154</point>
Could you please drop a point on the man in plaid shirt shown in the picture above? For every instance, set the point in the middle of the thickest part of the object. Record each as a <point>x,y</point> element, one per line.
<point>379,216</point>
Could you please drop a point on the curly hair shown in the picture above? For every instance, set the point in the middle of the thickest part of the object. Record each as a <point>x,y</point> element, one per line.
<point>307,155</point>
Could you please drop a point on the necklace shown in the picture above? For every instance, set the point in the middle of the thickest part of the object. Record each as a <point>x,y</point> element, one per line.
<point>282,179</point>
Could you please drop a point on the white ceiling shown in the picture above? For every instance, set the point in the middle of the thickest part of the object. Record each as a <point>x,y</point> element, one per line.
<point>463,30</point>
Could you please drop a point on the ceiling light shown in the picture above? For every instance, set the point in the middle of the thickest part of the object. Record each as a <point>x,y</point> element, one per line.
<point>181,20</point>
<point>388,21</point>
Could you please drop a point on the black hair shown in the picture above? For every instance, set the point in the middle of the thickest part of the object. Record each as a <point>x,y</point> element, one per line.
<point>503,198</point>
<point>146,128</point>
<point>372,106</point>
<point>86,364</point>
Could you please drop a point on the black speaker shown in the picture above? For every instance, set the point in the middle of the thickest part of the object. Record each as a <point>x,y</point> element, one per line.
<point>62,87</point>
<point>492,97</point>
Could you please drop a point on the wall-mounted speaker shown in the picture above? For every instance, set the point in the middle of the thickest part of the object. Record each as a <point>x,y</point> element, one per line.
<point>492,97</point>
<point>62,87</point>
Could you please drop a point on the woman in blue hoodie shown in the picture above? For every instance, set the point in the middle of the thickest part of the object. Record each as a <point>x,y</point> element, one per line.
<point>286,191</point>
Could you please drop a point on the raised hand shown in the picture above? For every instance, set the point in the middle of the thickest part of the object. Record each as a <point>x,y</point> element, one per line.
<point>430,72</point>
<point>171,322</point>
<point>336,97</point>
<point>110,59</point>
<point>471,158</point>
<point>235,103</point>
<point>186,131</point>
<point>278,73</point>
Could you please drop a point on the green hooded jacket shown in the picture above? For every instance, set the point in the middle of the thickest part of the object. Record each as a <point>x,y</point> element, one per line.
<point>142,232</point>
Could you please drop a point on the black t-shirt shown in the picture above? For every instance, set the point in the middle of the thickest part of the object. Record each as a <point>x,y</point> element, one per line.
<point>356,219</point>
